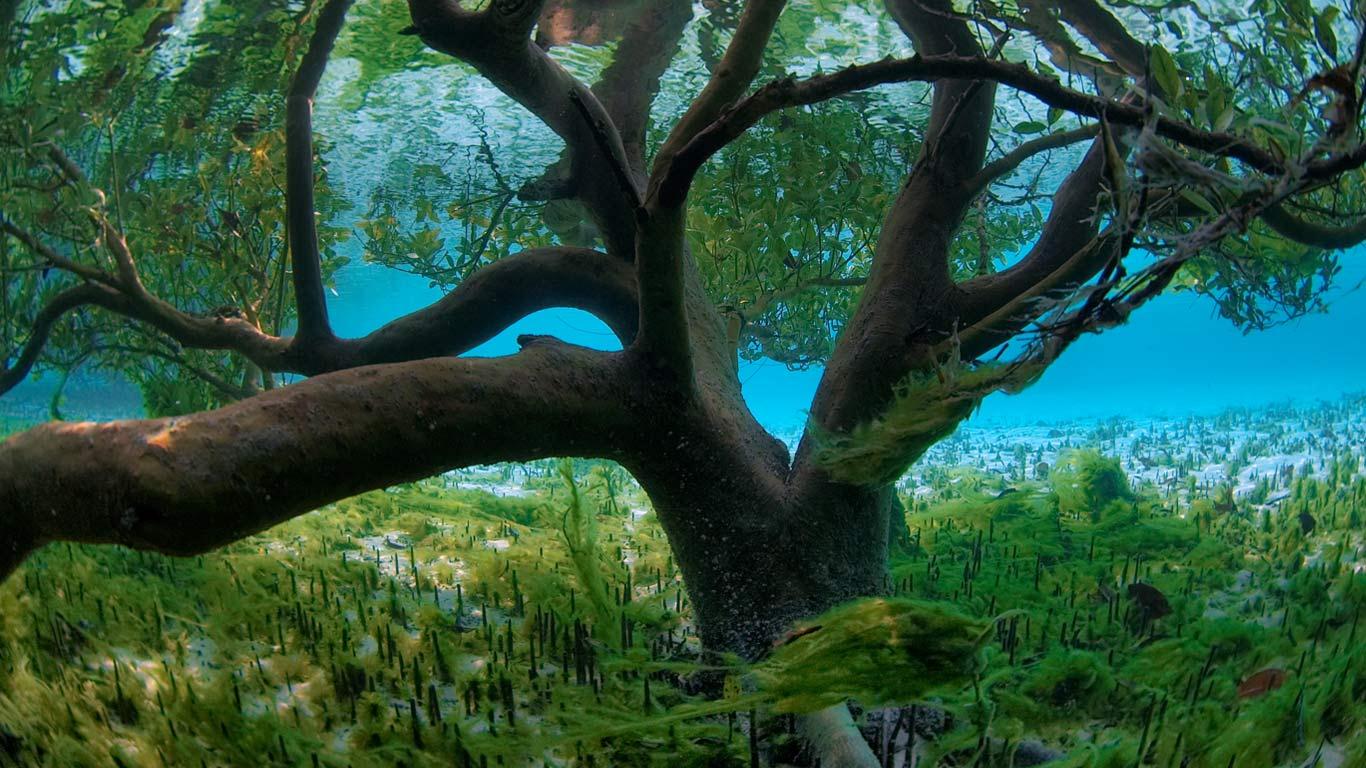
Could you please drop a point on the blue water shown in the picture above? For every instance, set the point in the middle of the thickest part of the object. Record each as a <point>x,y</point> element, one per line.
<point>1176,356</point>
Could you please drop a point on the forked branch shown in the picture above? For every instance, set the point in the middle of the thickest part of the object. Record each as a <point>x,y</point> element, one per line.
<point>731,78</point>
<point>480,307</point>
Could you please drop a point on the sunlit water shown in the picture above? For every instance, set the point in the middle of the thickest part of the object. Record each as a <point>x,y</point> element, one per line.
<point>1176,355</point>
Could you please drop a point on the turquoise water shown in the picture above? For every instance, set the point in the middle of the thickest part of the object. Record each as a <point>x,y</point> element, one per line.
<point>1176,355</point>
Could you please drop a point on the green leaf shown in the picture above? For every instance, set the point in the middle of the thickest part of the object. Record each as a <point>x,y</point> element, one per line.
<point>1030,126</point>
<point>1199,201</point>
<point>1054,114</point>
<point>1323,31</point>
<point>1165,73</point>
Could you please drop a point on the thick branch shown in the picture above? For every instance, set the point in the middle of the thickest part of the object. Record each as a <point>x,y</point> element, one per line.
<point>664,339</point>
<point>1024,302</point>
<point>1107,33</point>
<point>1061,259</point>
<point>493,298</point>
<point>305,257</point>
<point>190,484</point>
<point>496,42</point>
<point>1311,233</point>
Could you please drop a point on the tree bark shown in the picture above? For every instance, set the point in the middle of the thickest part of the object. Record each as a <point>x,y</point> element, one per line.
<point>756,554</point>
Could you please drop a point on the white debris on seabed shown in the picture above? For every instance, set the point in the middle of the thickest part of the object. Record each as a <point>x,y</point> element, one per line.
<point>1256,454</point>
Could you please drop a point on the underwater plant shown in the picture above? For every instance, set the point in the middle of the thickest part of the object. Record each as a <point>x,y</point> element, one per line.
<point>438,623</point>
<point>740,185</point>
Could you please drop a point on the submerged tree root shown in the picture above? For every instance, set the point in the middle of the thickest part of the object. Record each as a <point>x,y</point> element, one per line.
<point>835,740</point>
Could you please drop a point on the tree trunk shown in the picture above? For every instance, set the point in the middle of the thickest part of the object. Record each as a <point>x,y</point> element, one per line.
<point>755,561</point>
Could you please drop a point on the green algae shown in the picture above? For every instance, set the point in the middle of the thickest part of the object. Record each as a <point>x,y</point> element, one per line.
<point>1085,480</point>
<point>427,625</point>
<point>878,651</point>
<point>926,408</point>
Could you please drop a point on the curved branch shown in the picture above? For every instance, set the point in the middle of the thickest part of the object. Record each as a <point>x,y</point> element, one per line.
<point>1017,303</point>
<point>1325,236</point>
<point>479,308</point>
<point>305,257</point>
<point>192,483</point>
<point>47,317</point>
<point>1061,259</point>
<point>495,297</point>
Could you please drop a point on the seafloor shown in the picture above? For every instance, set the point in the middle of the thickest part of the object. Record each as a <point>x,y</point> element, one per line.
<point>1182,592</point>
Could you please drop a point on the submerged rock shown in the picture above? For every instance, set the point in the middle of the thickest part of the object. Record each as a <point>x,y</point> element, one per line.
<point>1035,753</point>
<point>1150,599</point>
<point>1307,523</point>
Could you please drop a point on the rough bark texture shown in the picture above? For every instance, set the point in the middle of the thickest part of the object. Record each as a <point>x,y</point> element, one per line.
<point>186,485</point>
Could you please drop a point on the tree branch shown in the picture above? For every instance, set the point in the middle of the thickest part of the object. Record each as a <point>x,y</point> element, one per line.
<point>626,88</point>
<point>50,256</point>
<point>1017,303</point>
<point>305,257</point>
<point>479,308</point>
<point>909,284</point>
<point>12,375</point>
<point>661,256</point>
<point>1039,19</point>
<point>1061,259</point>
<point>729,81</point>
<point>628,85</point>
<point>1007,163</point>
<point>495,297</point>
<point>192,483</point>
<point>496,42</point>
<point>1325,236</point>
<point>790,92</point>
<point>960,114</point>
<point>665,337</point>
<point>1098,25</point>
